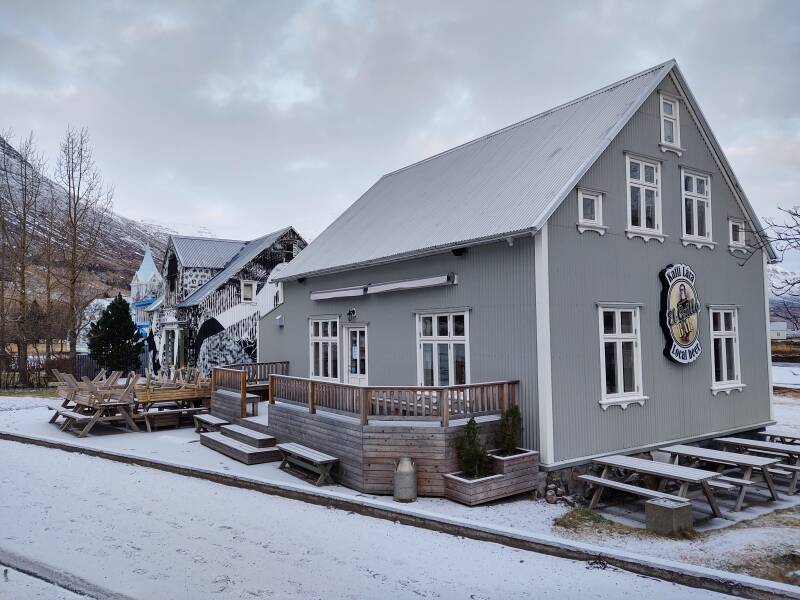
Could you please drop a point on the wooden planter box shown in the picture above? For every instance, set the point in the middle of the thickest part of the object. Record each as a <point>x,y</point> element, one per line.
<point>514,475</point>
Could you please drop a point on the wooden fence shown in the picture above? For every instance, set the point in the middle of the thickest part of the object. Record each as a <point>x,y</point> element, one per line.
<point>230,380</point>
<point>260,372</point>
<point>396,402</point>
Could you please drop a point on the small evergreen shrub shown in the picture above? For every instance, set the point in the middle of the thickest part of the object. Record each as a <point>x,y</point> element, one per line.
<point>114,341</point>
<point>473,458</point>
<point>510,430</point>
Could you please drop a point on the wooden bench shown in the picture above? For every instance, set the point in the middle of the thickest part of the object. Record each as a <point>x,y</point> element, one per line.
<point>70,418</point>
<point>600,482</point>
<point>206,422</point>
<point>310,459</point>
<point>168,417</point>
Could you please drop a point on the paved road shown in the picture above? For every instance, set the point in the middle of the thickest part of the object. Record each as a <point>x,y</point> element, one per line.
<point>148,534</point>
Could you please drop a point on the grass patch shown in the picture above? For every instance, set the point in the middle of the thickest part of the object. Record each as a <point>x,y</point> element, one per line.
<point>583,520</point>
<point>781,566</point>
<point>32,392</point>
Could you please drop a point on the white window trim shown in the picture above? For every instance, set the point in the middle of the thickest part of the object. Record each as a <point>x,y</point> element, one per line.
<point>255,290</point>
<point>585,225</point>
<point>731,385</point>
<point>436,339</point>
<point>320,338</point>
<point>737,246</point>
<point>643,232</point>
<point>676,119</point>
<point>696,240</point>
<point>621,399</point>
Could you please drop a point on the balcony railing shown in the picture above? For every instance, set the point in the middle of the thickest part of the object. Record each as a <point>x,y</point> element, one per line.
<point>404,403</point>
<point>260,372</point>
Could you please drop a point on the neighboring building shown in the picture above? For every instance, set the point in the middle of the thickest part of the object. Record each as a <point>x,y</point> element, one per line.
<point>214,291</point>
<point>145,289</point>
<point>777,330</point>
<point>594,252</point>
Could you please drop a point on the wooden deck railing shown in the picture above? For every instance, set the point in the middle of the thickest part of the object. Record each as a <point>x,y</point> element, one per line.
<point>396,402</point>
<point>232,380</point>
<point>260,372</point>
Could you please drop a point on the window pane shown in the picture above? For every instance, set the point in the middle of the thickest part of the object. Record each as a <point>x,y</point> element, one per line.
<point>315,352</point>
<point>717,359</point>
<point>628,380</point>
<point>427,364</point>
<point>333,328</point>
<point>626,321</point>
<point>689,218</point>
<point>610,351</point>
<point>715,320</point>
<point>688,182</point>
<point>736,232</point>
<point>441,326</point>
<point>636,210</point>
<point>701,219</point>
<point>315,328</point>
<point>649,173</point>
<point>443,353</point>
<point>701,186</point>
<point>609,325</point>
<point>729,356</point>
<point>334,360</point>
<point>362,353</point>
<point>427,326</point>
<point>324,329</point>
<point>588,208</point>
<point>458,325</point>
<point>728,320</point>
<point>669,131</point>
<point>667,108</point>
<point>325,366</point>
<point>354,352</point>
<point>459,364</point>
<point>650,209</point>
<point>635,174</point>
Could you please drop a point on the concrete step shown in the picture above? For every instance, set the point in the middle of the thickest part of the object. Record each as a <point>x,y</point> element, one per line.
<point>247,436</point>
<point>259,423</point>
<point>237,450</point>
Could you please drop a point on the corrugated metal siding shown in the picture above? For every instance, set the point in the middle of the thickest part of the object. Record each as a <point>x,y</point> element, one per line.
<point>205,252</point>
<point>495,281</point>
<point>587,268</point>
<point>502,183</point>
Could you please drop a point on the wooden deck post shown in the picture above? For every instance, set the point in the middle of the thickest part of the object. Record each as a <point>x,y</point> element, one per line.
<point>271,389</point>
<point>366,400</point>
<point>444,406</point>
<point>312,398</point>
<point>243,388</point>
<point>213,377</point>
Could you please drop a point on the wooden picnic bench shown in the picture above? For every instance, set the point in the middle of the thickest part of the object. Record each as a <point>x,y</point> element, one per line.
<point>747,463</point>
<point>310,459</point>
<point>100,412</point>
<point>208,422</point>
<point>684,476</point>
<point>788,453</point>
<point>781,438</point>
<point>168,417</point>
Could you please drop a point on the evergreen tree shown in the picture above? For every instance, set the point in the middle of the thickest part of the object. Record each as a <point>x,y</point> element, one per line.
<point>114,341</point>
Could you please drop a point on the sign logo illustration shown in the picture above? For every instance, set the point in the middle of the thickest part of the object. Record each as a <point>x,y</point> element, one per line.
<point>680,311</point>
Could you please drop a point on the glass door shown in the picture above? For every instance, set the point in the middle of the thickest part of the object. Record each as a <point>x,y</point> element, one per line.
<point>357,356</point>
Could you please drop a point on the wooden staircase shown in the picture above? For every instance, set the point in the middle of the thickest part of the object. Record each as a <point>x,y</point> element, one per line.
<point>242,443</point>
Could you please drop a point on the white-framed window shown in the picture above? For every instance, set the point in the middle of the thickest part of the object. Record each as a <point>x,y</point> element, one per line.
<point>696,209</point>
<point>324,348</point>
<point>590,211</point>
<point>644,198</point>
<point>443,348</point>
<point>670,122</point>
<point>248,291</point>
<point>736,234</point>
<point>725,374</point>
<point>620,355</point>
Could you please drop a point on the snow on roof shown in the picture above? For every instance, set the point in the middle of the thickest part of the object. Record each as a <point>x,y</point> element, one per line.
<point>210,253</point>
<point>777,326</point>
<point>248,252</point>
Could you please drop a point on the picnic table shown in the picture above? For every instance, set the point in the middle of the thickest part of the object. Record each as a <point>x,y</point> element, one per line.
<point>684,476</point>
<point>98,412</point>
<point>788,452</point>
<point>781,438</point>
<point>747,463</point>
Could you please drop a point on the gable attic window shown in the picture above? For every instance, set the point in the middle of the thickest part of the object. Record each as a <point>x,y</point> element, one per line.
<point>696,209</point>
<point>737,241</point>
<point>248,291</point>
<point>644,198</point>
<point>670,124</point>
<point>590,212</point>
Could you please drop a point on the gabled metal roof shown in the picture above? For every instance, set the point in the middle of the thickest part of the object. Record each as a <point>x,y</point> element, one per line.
<point>501,185</point>
<point>247,253</point>
<point>210,253</point>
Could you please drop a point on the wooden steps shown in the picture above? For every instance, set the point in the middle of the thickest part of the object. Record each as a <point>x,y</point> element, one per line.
<point>247,436</point>
<point>237,450</point>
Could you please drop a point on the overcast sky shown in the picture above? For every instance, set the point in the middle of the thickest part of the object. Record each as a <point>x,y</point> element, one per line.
<point>243,117</point>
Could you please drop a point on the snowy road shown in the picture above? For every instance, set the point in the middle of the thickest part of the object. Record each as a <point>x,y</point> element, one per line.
<point>150,534</point>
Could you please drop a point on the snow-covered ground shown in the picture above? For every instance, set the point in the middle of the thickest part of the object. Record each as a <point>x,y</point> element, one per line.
<point>720,548</point>
<point>786,376</point>
<point>14,584</point>
<point>152,534</point>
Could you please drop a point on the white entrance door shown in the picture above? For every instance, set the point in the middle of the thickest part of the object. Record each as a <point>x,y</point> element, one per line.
<point>356,373</point>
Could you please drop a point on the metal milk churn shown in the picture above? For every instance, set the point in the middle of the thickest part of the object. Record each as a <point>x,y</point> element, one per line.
<point>405,480</point>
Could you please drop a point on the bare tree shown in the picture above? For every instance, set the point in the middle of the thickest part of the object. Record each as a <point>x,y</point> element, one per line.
<point>50,219</point>
<point>21,183</point>
<point>86,211</point>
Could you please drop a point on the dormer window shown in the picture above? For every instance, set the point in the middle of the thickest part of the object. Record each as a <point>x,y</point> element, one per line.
<point>670,122</point>
<point>248,291</point>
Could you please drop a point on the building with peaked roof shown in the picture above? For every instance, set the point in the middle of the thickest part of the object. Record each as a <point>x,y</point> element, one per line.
<point>145,289</point>
<point>602,253</point>
<point>213,293</point>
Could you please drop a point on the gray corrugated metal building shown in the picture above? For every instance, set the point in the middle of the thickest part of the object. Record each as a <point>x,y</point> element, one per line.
<point>541,247</point>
